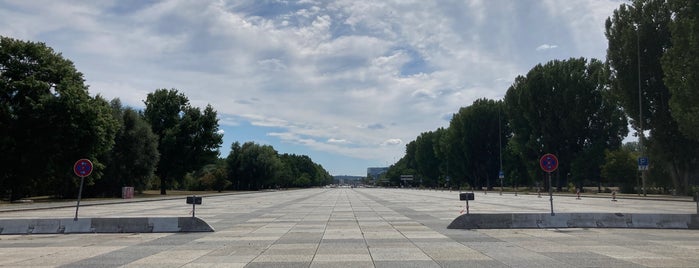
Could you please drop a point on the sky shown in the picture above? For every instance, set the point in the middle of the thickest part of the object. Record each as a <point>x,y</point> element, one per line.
<point>348,83</point>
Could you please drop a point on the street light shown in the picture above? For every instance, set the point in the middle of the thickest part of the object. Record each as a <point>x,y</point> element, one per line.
<point>640,106</point>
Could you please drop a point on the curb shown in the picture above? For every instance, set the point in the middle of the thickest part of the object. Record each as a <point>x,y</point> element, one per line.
<point>103,225</point>
<point>575,220</point>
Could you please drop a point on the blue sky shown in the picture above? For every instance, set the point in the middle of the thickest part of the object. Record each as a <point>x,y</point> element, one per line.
<point>346,82</point>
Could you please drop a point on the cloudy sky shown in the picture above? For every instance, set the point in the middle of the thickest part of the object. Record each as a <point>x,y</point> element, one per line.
<point>347,82</point>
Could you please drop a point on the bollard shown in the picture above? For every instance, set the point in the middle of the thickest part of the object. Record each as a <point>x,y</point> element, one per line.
<point>614,196</point>
<point>538,192</point>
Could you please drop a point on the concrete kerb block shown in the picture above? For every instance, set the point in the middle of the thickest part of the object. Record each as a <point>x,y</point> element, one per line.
<point>70,226</point>
<point>104,225</point>
<point>44,226</point>
<point>666,221</point>
<point>164,225</point>
<point>559,220</point>
<point>14,226</point>
<point>575,220</point>
<point>194,224</point>
<point>527,220</point>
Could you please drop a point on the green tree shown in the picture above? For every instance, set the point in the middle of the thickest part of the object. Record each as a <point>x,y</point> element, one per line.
<point>402,167</point>
<point>427,161</point>
<point>47,121</point>
<point>475,135</point>
<point>642,31</point>
<point>210,177</point>
<point>620,169</point>
<point>297,166</point>
<point>134,157</point>
<point>680,64</point>
<point>188,137</point>
<point>253,166</point>
<point>563,108</point>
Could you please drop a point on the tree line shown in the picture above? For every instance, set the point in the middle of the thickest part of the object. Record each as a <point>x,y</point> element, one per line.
<point>579,109</point>
<point>48,121</point>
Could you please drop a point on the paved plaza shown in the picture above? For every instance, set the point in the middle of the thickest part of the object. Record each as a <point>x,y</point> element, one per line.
<point>361,227</point>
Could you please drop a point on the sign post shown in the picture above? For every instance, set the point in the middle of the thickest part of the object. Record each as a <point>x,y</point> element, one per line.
<point>549,163</point>
<point>501,176</point>
<point>642,163</point>
<point>82,168</point>
<point>405,178</point>
<point>194,200</point>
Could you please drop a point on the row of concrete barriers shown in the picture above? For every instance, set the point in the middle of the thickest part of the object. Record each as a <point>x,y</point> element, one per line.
<point>575,220</point>
<point>104,225</point>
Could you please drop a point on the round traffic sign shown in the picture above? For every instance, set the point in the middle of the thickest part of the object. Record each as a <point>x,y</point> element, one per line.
<point>83,168</point>
<point>548,163</point>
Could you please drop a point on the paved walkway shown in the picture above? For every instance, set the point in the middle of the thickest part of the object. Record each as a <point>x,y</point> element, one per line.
<point>356,228</point>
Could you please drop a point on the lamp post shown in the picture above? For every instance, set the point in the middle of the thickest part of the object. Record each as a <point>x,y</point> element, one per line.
<point>501,174</point>
<point>640,106</point>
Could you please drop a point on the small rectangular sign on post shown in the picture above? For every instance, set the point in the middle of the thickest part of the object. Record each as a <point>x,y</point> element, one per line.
<point>466,196</point>
<point>643,163</point>
<point>195,200</point>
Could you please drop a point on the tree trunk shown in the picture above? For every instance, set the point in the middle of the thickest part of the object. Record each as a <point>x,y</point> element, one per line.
<point>163,187</point>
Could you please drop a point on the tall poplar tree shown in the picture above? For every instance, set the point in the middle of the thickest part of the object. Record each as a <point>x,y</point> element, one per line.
<point>639,34</point>
<point>188,137</point>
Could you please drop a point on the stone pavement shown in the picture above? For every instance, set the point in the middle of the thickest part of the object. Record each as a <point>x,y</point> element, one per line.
<point>356,228</point>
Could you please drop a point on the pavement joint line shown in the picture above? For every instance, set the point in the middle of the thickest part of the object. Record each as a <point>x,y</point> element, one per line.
<point>412,242</point>
<point>366,243</point>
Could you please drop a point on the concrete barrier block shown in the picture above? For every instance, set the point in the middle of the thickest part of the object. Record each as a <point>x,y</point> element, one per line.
<point>674,221</point>
<point>44,226</point>
<point>164,225</point>
<point>693,222</point>
<point>559,220</point>
<point>120,225</point>
<point>70,226</point>
<point>526,220</point>
<point>598,220</point>
<point>193,224</point>
<point>648,220</point>
<point>14,226</point>
<point>575,220</point>
<point>104,225</point>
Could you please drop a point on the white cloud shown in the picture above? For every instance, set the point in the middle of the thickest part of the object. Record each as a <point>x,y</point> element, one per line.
<point>545,47</point>
<point>339,141</point>
<point>390,142</point>
<point>337,77</point>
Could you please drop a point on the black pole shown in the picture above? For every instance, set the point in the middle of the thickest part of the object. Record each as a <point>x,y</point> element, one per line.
<point>80,193</point>
<point>551,194</point>
<point>194,204</point>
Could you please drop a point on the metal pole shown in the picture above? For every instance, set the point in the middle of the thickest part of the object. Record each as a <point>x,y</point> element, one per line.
<point>467,206</point>
<point>194,204</point>
<point>551,194</point>
<point>640,105</point>
<point>500,149</point>
<point>80,193</point>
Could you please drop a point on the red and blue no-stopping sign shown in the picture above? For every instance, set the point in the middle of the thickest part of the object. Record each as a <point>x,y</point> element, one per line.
<point>83,168</point>
<point>548,163</point>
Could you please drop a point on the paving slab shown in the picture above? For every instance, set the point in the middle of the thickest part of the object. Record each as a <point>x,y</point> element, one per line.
<point>357,227</point>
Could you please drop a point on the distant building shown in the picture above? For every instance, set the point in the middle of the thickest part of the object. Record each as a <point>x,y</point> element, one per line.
<point>374,172</point>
